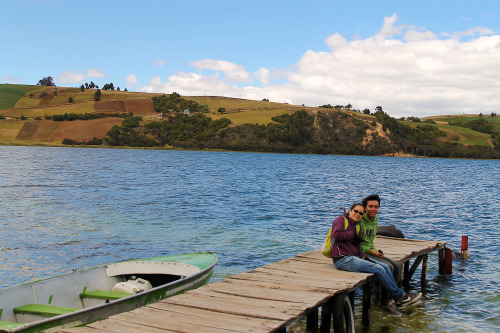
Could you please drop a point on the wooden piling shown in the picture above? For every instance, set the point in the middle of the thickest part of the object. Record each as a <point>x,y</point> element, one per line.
<point>465,246</point>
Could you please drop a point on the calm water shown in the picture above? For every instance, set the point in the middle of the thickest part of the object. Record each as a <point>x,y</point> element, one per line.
<point>64,208</point>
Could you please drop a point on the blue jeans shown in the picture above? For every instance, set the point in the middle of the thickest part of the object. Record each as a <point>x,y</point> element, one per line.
<point>380,269</point>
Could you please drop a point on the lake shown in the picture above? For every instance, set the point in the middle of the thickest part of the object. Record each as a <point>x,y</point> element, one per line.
<point>65,208</point>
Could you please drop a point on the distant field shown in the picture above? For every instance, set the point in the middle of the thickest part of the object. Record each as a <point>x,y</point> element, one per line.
<point>50,110</point>
<point>10,93</point>
<point>9,130</point>
<point>243,111</point>
<point>467,136</point>
<point>464,119</point>
<point>459,134</point>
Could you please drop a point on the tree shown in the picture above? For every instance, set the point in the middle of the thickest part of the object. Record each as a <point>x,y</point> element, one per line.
<point>108,86</point>
<point>70,100</point>
<point>82,88</point>
<point>86,85</point>
<point>221,110</point>
<point>97,95</point>
<point>46,81</point>
<point>366,111</point>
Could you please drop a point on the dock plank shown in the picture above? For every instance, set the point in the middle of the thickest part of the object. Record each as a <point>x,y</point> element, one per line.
<point>229,308</point>
<point>158,322</point>
<point>207,318</point>
<point>118,326</point>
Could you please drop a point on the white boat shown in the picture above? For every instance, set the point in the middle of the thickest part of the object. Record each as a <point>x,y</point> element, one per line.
<point>84,296</point>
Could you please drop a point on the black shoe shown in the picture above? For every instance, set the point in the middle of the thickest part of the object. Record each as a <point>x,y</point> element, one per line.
<point>392,309</point>
<point>409,298</point>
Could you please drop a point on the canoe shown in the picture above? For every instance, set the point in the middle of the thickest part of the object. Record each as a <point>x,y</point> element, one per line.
<point>84,296</point>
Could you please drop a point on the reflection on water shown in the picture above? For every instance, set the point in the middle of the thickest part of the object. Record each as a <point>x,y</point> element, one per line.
<point>64,208</point>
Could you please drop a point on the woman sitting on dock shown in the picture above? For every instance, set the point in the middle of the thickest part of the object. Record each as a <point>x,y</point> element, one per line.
<point>348,256</point>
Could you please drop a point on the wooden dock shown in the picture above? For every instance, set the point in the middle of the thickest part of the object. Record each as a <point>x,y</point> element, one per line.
<point>267,299</point>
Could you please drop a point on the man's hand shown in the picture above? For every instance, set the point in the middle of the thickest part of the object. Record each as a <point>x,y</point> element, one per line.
<point>375,253</point>
<point>357,238</point>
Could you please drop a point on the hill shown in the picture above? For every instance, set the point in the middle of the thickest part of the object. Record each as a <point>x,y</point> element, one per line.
<point>54,116</point>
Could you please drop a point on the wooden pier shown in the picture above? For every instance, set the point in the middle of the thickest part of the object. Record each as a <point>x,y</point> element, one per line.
<point>267,299</point>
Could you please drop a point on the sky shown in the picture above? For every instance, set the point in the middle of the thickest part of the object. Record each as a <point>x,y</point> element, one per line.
<point>412,58</point>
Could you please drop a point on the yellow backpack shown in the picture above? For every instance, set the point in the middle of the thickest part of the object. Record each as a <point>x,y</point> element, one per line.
<point>326,250</point>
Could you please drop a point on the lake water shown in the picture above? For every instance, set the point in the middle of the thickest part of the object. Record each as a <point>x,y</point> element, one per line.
<point>64,208</point>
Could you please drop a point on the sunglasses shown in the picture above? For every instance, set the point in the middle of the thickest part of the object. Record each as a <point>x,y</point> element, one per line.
<point>358,212</point>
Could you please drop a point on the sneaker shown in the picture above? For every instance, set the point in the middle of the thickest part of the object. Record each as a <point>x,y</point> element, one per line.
<point>409,298</point>
<point>392,309</point>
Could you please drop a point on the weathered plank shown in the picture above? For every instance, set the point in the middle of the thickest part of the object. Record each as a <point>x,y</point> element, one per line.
<point>80,330</point>
<point>119,326</point>
<point>149,320</point>
<point>246,324</point>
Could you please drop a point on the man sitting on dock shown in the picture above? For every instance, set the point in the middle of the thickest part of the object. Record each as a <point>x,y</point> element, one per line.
<point>369,225</point>
<point>348,256</point>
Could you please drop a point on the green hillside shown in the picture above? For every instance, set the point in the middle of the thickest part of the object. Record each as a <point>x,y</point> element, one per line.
<point>60,115</point>
<point>11,93</point>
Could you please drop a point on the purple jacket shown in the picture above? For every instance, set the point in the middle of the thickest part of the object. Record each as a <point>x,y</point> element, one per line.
<point>344,239</point>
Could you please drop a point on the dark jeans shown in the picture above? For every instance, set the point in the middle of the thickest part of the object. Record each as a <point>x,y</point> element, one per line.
<point>380,269</point>
<point>395,270</point>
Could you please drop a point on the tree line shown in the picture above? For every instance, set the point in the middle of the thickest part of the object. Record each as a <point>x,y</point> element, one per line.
<point>299,132</point>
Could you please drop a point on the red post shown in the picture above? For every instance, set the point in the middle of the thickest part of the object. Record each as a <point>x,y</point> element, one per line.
<point>465,246</point>
<point>448,261</point>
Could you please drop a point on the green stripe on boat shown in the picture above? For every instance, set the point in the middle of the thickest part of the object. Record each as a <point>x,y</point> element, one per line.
<point>104,294</point>
<point>200,260</point>
<point>44,310</point>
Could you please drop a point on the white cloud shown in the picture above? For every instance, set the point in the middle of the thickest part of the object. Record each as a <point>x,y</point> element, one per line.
<point>159,62</point>
<point>11,79</point>
<point>263,75</point>
<point>131,81</point>
<point>68,77</point>
<point>232,72</point>
<point>471,32</point>
<point>95,73</point>
<point>406,70</point>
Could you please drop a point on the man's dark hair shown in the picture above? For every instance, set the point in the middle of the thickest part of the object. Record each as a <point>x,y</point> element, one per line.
<point>370,198</point>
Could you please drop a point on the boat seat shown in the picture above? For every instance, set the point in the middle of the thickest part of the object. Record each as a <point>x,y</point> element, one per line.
<point>43,310</point>
<point>105,294</point>
<point>7,325</point>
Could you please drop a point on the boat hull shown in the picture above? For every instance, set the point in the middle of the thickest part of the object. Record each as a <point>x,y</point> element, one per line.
<point>109,308</point>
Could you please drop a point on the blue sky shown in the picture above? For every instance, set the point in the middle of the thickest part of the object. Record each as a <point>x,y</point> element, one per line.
<point>412,58</point>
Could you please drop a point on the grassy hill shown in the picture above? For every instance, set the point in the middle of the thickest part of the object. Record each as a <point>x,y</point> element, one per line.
<point>11,93</point>
<point>24,110</point>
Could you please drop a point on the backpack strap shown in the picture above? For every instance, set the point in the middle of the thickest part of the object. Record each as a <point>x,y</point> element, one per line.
<point>346,224</point>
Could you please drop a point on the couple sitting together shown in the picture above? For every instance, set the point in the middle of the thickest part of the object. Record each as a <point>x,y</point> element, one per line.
<point>353,250</point>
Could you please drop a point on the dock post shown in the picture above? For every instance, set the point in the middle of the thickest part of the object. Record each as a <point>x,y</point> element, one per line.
<point>367,299</point>
<point>423,274</point>
<point>406,269</point>
<point>445,261</point>
<point>326,316</point>
<point>312,321</point>
<point>465,246</point>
